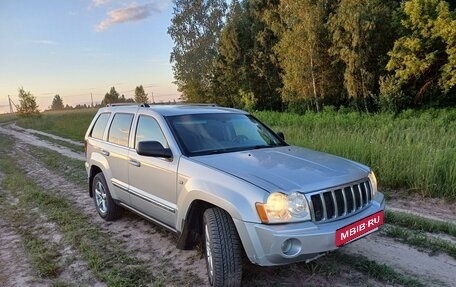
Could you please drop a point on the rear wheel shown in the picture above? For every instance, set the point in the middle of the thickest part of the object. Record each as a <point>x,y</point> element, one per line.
<point>222,248</point>
<point>105,205</point>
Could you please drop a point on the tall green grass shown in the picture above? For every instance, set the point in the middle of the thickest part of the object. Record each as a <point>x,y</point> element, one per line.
<point>71,124</point>
<point>414,150</point>
<point>4,118</point>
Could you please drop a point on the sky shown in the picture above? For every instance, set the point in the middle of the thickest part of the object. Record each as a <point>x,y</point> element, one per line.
<point>76,48</point>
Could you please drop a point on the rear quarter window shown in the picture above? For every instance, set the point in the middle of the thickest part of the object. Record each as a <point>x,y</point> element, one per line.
<point>99,126</point>
<point>119,131</point>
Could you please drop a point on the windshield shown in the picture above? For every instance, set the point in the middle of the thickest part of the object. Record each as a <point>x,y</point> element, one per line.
<point>202,134</point>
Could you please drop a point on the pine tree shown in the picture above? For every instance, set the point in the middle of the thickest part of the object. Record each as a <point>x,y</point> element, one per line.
<point>57,103</point>
<point>140,95</point>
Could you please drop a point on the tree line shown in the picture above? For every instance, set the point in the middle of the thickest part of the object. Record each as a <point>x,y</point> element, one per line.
<point>29,108</point>
<point>307,54</point>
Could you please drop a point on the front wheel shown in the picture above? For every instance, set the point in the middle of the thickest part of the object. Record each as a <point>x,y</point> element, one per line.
<point>105,205</point>
<point>222,248</point>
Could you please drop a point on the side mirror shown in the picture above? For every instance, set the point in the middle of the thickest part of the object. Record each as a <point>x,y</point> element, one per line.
<point>153,149</point>
<point>281,135</point>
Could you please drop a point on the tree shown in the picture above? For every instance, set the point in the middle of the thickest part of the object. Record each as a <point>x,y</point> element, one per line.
<point>140,95</point>
<point>27,104</point>
<point>111,97</point>
<point>361,36</point>
<point>122,99</point>
<point>308,73</point>
<point>57,103</point>
<point>195,30</point>
<point>247,64</point>
<point>231,77</point>
<point>262,66</point>
<point>425,57</point>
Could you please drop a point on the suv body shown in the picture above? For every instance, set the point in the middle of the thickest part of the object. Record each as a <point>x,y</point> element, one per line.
<point>207,172</point>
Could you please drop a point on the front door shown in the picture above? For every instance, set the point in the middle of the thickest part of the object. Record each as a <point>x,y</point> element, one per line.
<point>153,180</point>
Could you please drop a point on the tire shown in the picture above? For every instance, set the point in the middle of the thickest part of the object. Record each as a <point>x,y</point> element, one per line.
<point>222,248</point>
<point>105,205</point>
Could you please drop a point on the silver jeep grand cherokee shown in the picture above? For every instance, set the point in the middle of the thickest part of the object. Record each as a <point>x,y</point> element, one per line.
<point>219,176</point>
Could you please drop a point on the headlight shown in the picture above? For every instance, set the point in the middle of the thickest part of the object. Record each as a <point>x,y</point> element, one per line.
<point>280,208</point>
<point>373,181</point>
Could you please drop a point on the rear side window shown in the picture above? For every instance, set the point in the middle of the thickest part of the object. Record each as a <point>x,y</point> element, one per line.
<point>149,130</point>
<point>120,129</point>
<point>100,125</point>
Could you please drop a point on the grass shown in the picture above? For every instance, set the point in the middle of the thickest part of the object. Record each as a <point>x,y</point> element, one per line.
<point>70,124</point>
<point>413,150</point>
<point>72,169</point>
<point>4,118</point>
<point>414,230</point>
<point>380,272</point>
<point>66,144</point>
<point>44,255</point>
<point>331,265</point>
<point>420,240</point>
<point>419,223</point>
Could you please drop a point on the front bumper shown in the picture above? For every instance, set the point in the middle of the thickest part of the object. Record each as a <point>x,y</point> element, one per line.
<point>263,243</point>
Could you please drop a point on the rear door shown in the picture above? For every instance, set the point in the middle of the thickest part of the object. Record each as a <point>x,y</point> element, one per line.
<point>153,180</point>
<point>116,153</point>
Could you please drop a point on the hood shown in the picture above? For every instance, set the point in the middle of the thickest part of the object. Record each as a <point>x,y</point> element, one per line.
<point>287,168</point>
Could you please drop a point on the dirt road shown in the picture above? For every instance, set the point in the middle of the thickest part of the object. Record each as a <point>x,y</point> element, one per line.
<point>156,246</point>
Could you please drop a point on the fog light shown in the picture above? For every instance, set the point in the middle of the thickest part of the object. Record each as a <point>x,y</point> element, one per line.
<point>291,247</point>
<point>286,246</point>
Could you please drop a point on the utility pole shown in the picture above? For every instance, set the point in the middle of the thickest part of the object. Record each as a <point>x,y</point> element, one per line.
<point>152,95</point>
<point>91,97</point>
<point>11,104</point>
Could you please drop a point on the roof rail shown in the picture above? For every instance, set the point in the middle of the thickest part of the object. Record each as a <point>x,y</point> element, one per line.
<point>200,104</point>
<point>144,105</point>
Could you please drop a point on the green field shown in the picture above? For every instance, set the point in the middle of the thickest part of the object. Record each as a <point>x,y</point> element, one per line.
<point>71,124</point>
<point>414,150</point>
<point>4,118</point>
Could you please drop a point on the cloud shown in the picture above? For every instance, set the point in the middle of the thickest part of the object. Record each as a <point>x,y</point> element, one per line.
<point>99,2</point>
<point>131,13</point>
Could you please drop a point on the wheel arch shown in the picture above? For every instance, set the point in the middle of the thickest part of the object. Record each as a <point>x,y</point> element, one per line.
<point>94,170</point>
<point>192,224</point>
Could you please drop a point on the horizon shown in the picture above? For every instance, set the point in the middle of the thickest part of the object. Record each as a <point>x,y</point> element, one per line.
<point>78,48</point>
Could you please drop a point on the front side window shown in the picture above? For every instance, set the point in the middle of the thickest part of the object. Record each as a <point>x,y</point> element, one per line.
<point>202,134</point>
<point>149,130</point>
<point>99,126</point>
<point>120,129</point>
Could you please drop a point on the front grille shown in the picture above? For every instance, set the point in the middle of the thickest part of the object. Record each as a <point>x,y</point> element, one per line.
<point>340,201</point>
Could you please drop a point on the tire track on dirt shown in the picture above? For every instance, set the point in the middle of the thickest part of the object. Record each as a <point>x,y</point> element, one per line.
<point>15,269</point>
<point>33,140</point>
<point>436,270</point>
<point>31,131</point>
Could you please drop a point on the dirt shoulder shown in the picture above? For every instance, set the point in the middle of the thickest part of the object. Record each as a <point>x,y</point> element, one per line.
<point>432,208</point>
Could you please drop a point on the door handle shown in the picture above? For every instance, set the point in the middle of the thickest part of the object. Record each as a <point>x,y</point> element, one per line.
<point>135,162</point>
<point>105,152</point>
